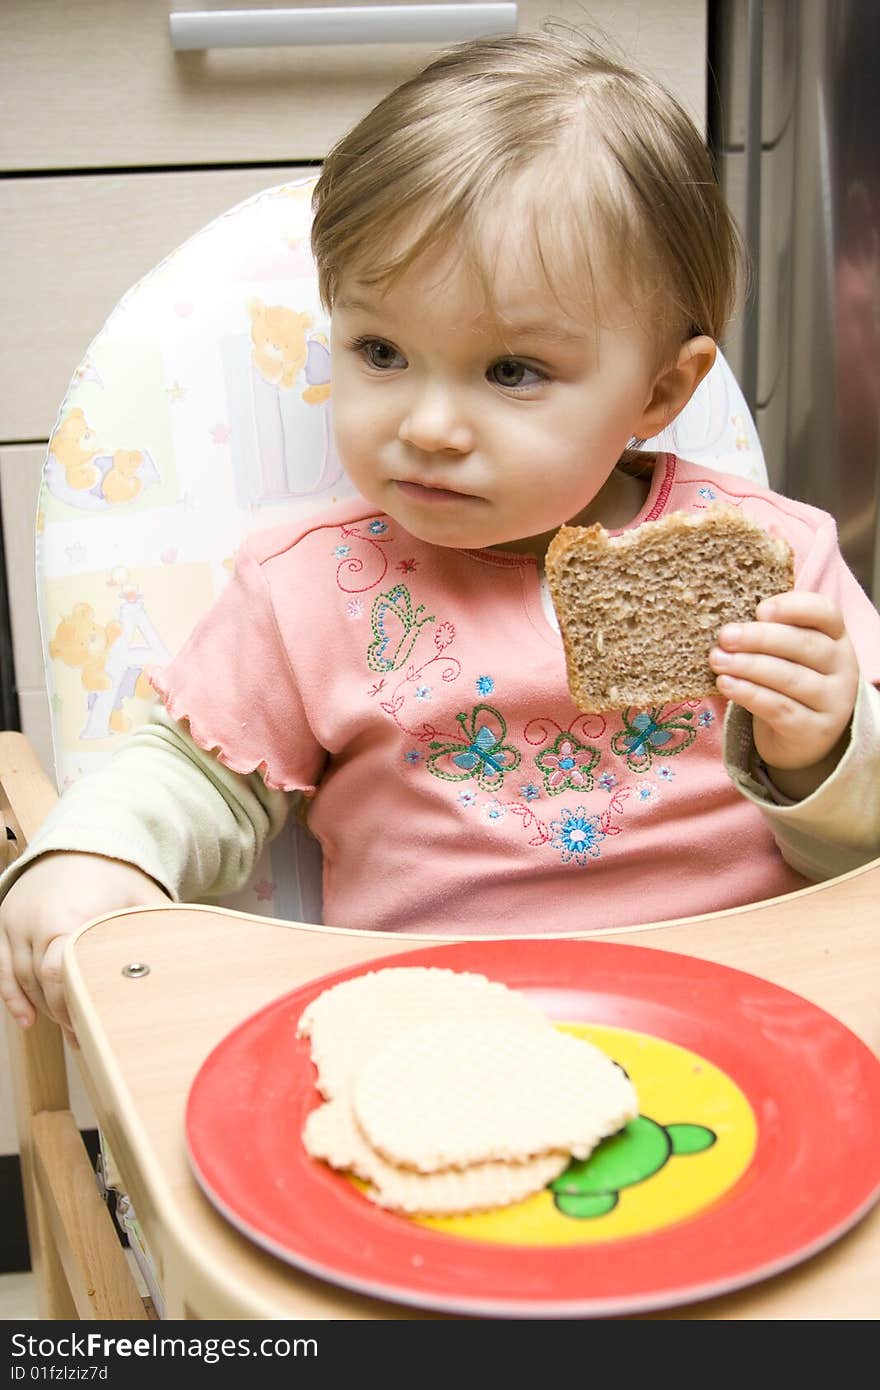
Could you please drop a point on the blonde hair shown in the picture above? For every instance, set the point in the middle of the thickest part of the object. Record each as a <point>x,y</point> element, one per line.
<point>621,170</point>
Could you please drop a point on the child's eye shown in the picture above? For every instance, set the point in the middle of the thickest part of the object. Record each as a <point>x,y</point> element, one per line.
<point>513,374</point>
<point>378,353</point>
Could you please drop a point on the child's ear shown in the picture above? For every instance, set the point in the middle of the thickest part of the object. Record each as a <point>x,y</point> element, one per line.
<point>675,384</point>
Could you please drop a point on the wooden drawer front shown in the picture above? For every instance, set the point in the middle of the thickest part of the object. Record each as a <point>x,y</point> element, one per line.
<point>99,85</point>
<point>77,244</point>
<point>20,475</point>
<point>21,472</point>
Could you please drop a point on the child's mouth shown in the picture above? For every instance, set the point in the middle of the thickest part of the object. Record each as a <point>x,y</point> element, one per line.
<point>420,492</point>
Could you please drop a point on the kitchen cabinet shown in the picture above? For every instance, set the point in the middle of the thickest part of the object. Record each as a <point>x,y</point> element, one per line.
<point>114,148</point>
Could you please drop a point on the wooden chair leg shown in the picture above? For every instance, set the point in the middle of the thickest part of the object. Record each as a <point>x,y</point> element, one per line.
<point>39,1083</point>
<point>79,1266</point>
<point>95,1267</point>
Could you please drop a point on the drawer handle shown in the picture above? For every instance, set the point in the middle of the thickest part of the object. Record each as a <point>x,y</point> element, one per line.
<point>351,24</point>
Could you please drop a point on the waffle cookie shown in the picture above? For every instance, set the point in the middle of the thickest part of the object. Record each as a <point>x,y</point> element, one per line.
<point>332,1134</point>
<point>448,1092</point>
<point>353,1019</point>
<point>447,1095</point>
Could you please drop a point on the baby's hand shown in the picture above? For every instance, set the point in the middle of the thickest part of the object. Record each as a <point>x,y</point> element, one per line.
<point>796,671</point>
<point>55,895</point>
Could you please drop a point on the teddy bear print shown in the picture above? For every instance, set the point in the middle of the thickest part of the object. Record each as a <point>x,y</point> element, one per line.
<point>75,446</point>
<point>120,483</point>
<point>278,336</point>
<point>84,474</point>
<point>82,643</point>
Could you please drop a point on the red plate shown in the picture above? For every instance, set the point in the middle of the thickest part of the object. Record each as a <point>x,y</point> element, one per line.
<point>812,1086</point>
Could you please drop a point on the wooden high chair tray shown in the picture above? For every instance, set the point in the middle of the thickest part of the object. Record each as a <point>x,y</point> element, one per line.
<point>758,1144</point>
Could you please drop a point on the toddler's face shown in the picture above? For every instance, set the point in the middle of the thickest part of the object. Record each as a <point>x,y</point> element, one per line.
<point>475,428</point>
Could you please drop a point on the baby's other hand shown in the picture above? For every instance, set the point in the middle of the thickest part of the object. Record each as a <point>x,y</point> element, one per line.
<point>54,896</point>
<point>796,671</point>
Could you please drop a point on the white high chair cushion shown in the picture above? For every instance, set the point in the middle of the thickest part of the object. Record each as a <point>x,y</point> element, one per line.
<point>202,412</point>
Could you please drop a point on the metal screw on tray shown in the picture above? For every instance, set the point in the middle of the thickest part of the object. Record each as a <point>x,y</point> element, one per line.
<point>136,970</point>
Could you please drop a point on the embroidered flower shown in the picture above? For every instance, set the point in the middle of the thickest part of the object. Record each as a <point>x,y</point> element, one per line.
<point>706,718</point>
<point>530,792</point>
<point>378,528</point>
<point>354,608</point>
<point>493,812</point>
<point>412,755</point>
<point>424,692</point>
<point>406,566</point>
<point>340,551</point>
<point>466,798</point>
<point>577,835</point>
<point>568,764</point>
<point>647,792</point>
<point>708,494</point>
<point>444,636</point>
<point>667,773</point>
<point>485,685</point>
<point>607,781</point>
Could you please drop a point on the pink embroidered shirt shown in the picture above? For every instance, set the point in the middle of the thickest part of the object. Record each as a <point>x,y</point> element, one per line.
<point>417,695</point>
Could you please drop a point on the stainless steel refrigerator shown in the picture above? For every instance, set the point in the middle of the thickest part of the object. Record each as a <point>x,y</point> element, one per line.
<point>795,123</point>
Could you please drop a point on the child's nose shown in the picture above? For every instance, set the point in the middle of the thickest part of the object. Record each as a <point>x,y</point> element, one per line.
<point>435,421</point>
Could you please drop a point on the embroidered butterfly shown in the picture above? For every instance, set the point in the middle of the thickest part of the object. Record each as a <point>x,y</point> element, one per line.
<point>647,734</point>
<point>481,755</point>
<point>396,625</point>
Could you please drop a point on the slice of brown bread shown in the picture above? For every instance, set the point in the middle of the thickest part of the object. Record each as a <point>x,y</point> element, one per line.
<point>639,612</point>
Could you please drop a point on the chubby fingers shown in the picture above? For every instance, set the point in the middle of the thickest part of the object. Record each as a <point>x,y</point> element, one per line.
<point>797,646</point>
<point>11,992</point>
<point>26,957</point>
<point>802,627</point>
<point>29,986</point>
<point>802,609</point>
<point>53,986</point>
<point>41,979</point>
<point>795,669</point>
<point>775,661</point>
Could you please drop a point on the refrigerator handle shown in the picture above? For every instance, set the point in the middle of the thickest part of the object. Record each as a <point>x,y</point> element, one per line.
<point>219,28</point>
<point>752,227</point>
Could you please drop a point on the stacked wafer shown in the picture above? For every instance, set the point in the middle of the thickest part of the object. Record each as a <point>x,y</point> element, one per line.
<point>447,1092</point>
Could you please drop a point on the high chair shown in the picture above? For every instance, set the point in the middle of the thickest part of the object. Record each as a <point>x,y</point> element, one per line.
<point>201,412</point>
